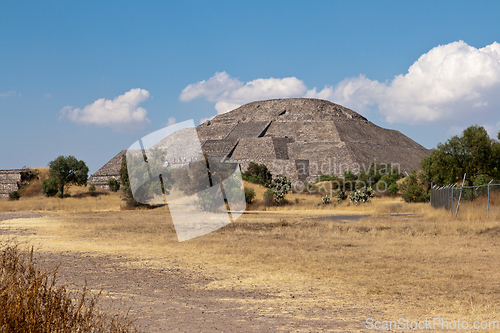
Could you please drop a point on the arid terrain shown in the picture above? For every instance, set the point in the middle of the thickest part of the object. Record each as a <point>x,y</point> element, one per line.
<point>307,269</point>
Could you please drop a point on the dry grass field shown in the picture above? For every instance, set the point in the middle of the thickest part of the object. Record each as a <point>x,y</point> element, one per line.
<point>316,268</point>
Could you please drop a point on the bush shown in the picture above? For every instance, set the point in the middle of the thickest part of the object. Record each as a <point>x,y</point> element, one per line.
<point>482,180</point>
<point>14,195</point>
<point>209,201</point>
<point>92,188</point>
<point>393,188</point>
<point>257,174</point>
<point>349,175</point>
<point>249,195</point>
<point>413,189</point>
<point>280,186</point>
<point>340,195</point>
<point>113,184</point>
<point>325,200</point>
<point>32,301</point>
<point>326,178</point>
<point>50,187</point>
<point>362,195</point>
<point>269,197</point>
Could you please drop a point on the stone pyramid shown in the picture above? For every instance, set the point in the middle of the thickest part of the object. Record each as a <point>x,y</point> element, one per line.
<point>301,138</point>
<point>304,137</point>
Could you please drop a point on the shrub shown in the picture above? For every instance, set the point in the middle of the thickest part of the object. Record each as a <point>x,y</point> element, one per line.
<point>340,195</point>
<point>209,201</point>
<point>113,184</point>
<point>482,180</point>
<point>326,178</point>
<point>280,185</point>
<point>14,195</point>
<point>311,188</point>
<point>50,187</point>
<point>92,188</point>
<point>349,175</point>
<point>269,197</point>
<point>362,195</point>
<point>325,200</point>
<point>257,174</point>
<point>413,189</point>
<point>32,301</point>
<point>393,188</point>
<point>249,195</point>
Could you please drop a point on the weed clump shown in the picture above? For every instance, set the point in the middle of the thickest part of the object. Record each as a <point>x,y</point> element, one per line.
<point>32,302</point>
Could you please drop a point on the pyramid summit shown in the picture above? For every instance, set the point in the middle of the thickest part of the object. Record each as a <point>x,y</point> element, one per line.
<point>301,138</point>
<point>304,137</point>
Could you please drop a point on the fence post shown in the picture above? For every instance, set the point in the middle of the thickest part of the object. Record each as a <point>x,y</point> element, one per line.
<point>488,215</point>
<point>451,209</point>
<point>460,196</point>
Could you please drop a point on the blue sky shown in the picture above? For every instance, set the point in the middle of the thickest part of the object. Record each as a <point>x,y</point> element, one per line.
<point>90,78</point>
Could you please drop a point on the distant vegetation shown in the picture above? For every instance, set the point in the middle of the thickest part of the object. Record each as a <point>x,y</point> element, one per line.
<point>473,153</point>
<point>257,174</point>
<point>64,170</point>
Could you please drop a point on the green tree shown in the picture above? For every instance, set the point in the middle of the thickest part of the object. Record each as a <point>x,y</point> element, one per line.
<point>65,170</point>
<point>126,189</point>
<point>49,187</point>
<point>473,153</point>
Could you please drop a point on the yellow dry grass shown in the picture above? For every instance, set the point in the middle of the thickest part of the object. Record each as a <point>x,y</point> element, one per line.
<point>422,263</point>
<point>412,266</point>
<point>32,302</point>
<point>81,201</point>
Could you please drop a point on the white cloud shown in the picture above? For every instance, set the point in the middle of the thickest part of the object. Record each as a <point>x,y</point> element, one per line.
<point>223,107</point>
<point>230,93</point>
<point>454,84</point>
<point>9,94</point>
<point>121,113</point>
<point>212,89</point>
<point>448,82</point>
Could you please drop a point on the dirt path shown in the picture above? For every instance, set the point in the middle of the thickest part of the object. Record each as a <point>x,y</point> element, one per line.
<point>18,215</point>
<point>171,298</point>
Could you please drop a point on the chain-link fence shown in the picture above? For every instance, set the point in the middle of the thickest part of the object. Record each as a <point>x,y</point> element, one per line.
<point>450,196</point>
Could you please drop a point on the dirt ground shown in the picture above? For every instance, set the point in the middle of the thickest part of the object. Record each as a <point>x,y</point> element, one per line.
<point>174,298</point>
<point>287,271</point>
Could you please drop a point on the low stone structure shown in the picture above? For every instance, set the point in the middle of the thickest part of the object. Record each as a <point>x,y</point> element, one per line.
<point>110,170</point>
<point>299,137</point>
<point>10,181</point>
